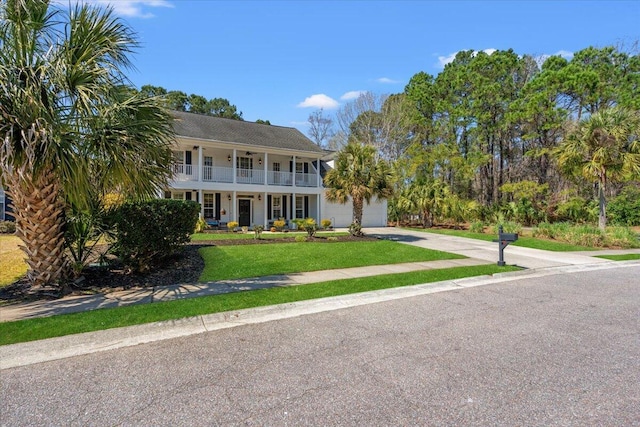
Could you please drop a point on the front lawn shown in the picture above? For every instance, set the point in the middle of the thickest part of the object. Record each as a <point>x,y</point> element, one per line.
<point>12,260</point>
<point>621,257</point>
<point>235,262</point>
<point>49,327</point>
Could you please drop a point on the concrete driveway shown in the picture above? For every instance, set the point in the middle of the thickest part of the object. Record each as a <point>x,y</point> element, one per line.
<point>552,350</point>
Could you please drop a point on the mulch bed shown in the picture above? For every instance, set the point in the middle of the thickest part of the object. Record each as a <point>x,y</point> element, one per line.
<point>184,267</point>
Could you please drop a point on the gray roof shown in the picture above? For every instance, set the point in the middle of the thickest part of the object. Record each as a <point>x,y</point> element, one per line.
<point>237,131</point>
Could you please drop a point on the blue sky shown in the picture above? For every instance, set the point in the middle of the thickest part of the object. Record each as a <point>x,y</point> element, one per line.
<point>280,61</point>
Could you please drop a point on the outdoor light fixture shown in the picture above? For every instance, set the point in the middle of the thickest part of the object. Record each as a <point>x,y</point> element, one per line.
<point>228,196</point>
<point>195,147</point>
<point>229,157</point>
<point>259,197</point>
<point>259,160</point>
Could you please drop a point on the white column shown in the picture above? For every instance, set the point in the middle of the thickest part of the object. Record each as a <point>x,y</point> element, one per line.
<point>233,203</point>
<point>266,162</point>
<point>200,166</point>
<point>318,172</point>
<point>233,162</point>
<point>266,206</point>
<point>201,201</point>
<point>318,212</point>
<point>293,171</point>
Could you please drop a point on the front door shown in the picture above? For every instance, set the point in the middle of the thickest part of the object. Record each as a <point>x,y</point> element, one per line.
<point>244,212</point>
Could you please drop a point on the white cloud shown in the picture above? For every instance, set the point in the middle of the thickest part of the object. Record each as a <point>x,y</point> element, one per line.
<point>444,60</point>
<point>353,94</point>
<point>128,8</point>
<point>319,100</point>
<point>563,53</point>
<point>386,80</point>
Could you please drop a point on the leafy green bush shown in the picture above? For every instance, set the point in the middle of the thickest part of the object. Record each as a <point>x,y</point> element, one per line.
<point>577,210</point>
<point>148,231</point>
<point>232,225</point>
<point>84,229</point>
<point>201,225</point>
<point>325,223</point>
<point>625,209</point>
<point>507,227</point>
<point>7,227</point>
<point>477,227</point>
<point>300,238</point>
<point>308,224</point>
<point>588,235</point>
<point>279,224</point>
<point>257,231</point>
<point>332,239</point>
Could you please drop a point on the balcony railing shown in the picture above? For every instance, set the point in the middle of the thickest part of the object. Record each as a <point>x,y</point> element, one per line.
<point>249,176</point>
<point>243,176</point>
<point>217,174</point>
<point>184,172</point>
<point>279,178</point>
<point>306,180</point>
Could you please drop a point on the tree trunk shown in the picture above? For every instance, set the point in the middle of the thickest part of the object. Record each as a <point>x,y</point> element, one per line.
<point>39,215</point>
<point>358,205</point>
<point>602,217</point>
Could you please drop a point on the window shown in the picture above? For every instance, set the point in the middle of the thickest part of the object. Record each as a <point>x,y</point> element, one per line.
<point>178,156</point>
<point>177,195</point>
<point>276,172</point>
<point>276,207</point>
<point>209,205</point>
<point>299,207</point>
<point>299,167</point>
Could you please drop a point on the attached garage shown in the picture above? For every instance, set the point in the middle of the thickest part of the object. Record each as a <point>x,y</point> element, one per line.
<point>374,214</point>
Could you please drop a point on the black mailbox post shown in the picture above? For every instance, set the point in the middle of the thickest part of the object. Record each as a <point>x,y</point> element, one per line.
<point>503,241</point>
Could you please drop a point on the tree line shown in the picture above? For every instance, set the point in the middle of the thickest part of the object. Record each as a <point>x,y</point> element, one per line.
<point>503,133</point>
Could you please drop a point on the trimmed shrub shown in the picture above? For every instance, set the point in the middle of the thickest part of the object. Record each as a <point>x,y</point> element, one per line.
<point>279,224</point>
<point>7,227</point>
<point>300,238</point>
<point>325,223</point>
<point>232,225</point>
<point>148,231</point>
<point>308,225</point>
<point>257,231</point>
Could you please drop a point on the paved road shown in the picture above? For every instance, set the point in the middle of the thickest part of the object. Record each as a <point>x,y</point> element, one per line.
<point>556,350</point>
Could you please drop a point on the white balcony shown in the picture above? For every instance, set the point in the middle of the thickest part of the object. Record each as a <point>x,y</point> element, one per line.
<point>306,180</point>
<point>184,172</point>
<point>217,174</point>
<point>249,176</point>
<point>279,178</point>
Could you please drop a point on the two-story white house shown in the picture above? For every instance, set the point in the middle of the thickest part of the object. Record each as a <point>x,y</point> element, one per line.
<point>255,173</point>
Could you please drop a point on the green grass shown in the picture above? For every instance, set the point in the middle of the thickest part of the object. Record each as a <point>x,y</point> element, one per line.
<point>49,327</point>
<point>235,262</point>
<point>265,236</point>
<point>11,259</point>
<point>622,257</point>
<point>523,241</point>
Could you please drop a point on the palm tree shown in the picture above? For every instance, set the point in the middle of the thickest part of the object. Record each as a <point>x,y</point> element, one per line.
<point>605,147</point>
<point>69,120</point>
<point>358,175</point>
